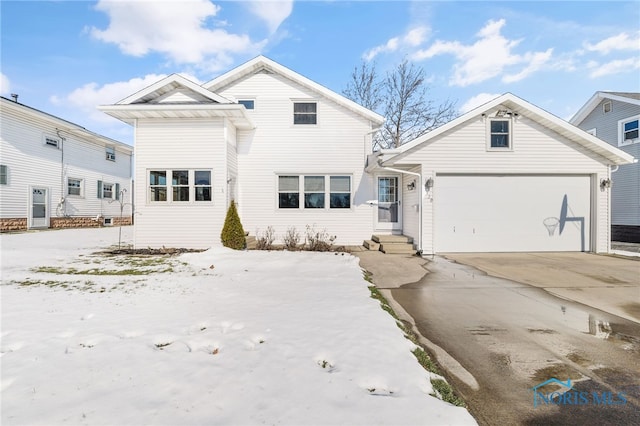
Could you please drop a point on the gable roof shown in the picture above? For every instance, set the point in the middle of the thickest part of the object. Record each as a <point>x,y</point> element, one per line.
<point>525,109</point>
<point>260,63</point>
<point>64,125</point>
<point>168,84</point>
<point>627,97</point>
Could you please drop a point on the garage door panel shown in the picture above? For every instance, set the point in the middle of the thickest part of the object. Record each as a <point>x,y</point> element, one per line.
<point>509,213</point>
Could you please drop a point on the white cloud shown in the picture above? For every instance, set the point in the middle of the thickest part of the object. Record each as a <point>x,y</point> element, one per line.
<point>622,41</point>
<point>5,85</point>
<point>614,67</point>
<point>477,100</point>
<point>488,57</point>
<point>273,13</point>
<point>176,29</point>
<point>412,38</point>
<point>89,96</point>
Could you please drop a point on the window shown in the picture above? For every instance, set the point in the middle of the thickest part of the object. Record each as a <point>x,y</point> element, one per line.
<point>319,192</point>
<point>248,103</point>
<point>288,192</point>
<point>314,192</point>
<point>180,185</point>
<point>51,141</point>
<point>203,185</point>
<point>74,187</point>
<point>107,190</point>
<point>158,185</point>
<point>499,134</point>
<point>340,192</point>
<point>111,153</point>
<point>607,107</point>
<point>4,176</point>
<point>628,131</point>
<point>305,113</point>
<point>185,185</point>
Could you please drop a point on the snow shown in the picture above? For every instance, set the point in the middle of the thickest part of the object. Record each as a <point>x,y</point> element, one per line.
<point>220,337</point>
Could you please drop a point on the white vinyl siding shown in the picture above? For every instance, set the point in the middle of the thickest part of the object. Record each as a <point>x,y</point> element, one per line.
<point>203,146</point>
<point>337,145</point>
<point>537,150</point>
<point>32,163</point>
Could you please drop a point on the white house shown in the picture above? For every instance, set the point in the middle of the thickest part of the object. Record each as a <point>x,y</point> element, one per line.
<point>614,117</point>
<point>293,153</point>
<point>57,174</point>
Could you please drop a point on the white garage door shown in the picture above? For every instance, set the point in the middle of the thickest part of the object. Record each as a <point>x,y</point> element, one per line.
<point>504,213</point>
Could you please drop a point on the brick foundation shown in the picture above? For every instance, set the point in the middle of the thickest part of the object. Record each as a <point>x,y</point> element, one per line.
<point>20,224</point>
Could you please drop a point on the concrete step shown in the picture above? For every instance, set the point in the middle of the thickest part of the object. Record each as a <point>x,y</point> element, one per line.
<point>392,239</point>
<point>397,248</point>
<point>371,245</point>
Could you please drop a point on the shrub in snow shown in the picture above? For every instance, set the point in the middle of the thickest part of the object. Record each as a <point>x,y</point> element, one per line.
<point>291,239</point>
<point>264,241</point>
<point>318,240</point>
<point>232,232</point>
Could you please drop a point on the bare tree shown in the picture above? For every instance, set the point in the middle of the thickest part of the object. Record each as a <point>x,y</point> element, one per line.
<point>408,111</point>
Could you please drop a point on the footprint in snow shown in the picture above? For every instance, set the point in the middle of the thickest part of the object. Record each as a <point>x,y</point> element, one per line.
<point>328,366</point>
<point>253,344</point>
<point>227,325</point>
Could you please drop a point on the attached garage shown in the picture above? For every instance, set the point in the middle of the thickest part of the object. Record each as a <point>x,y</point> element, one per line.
<point>512,213</point>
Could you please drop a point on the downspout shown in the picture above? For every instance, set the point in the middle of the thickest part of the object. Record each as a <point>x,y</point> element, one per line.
<point>391,169</point>
<point>62,206</point>
<point>612,169</point>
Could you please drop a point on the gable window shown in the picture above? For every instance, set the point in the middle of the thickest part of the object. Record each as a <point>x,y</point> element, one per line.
<point>320,192</point>
<point>51,141</point>
<point>628,131</point>
<point>4,175</point>
<point>500,136</point>
<point>158,185</point>
<point>74,187</point>
<point>248,103</point>
<point>305,113</point>
<point>203,185</point>
<point>111,153</point>
<point>288,192</point>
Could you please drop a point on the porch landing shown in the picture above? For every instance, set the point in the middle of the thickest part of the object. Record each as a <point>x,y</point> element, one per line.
<point>390,244</point>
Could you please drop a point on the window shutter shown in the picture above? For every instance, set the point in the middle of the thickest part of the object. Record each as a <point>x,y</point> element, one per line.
<point>3,175</point>
<point>99,189</point>
<point>117,191</point>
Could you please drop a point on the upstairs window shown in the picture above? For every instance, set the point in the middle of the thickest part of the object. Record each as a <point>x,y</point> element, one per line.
<point>111,153</point>
<point>248,103</point>
<point>628,131</point>
<point>305,113</point>
<point>499,134</point>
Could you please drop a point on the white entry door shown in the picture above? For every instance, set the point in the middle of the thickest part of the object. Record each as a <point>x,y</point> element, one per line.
<point>389,214</point>
<point>39,207</point>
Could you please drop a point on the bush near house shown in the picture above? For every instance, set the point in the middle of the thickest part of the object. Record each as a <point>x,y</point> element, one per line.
<point>232,232</point>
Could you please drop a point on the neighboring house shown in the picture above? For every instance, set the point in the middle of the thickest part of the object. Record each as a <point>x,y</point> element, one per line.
<point>293,153</point>
<point>614,117</point>
<point>56,174</point>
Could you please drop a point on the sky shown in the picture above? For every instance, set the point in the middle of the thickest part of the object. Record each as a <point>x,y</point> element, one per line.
<point>67,57</point>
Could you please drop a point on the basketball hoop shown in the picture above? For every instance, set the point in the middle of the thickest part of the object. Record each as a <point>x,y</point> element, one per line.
<point>551,223</point>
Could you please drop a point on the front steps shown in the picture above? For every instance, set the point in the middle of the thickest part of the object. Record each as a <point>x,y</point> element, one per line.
<point>391,244</point>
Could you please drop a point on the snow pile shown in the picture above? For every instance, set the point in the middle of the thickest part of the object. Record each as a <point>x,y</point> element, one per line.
<point>218,337</point>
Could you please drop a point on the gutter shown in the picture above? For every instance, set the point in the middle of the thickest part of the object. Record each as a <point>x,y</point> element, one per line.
<point>419,175</point>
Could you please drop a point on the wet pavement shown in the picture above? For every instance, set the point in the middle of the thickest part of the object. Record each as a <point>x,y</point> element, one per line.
<point>500,338</point>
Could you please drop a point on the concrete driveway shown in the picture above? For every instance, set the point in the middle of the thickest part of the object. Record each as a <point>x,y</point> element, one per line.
<point>518,320</point>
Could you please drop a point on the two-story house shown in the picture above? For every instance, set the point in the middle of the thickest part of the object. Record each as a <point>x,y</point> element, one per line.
<point>57,174</point>
<point>507,176</point>
<point>614,117</point>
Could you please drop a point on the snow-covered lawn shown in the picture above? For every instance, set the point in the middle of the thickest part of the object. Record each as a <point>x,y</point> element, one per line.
<point>218,337</point>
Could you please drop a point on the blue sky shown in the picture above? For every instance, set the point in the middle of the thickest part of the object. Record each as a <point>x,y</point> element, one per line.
<point>67,57</point>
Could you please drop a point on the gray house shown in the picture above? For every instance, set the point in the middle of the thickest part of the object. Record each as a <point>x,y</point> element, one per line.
<point>614,117</point>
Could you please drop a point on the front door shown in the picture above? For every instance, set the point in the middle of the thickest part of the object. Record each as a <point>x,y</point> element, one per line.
<point>389,215</point>
<point>39,207</point>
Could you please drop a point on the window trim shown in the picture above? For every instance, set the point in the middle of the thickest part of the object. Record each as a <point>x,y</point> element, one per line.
<point>80,187</point>
<point>169,186</point>
<point>509,134</point>
<point>621,131</point>
<point>314,114</point>
<point>110,152</point>
<point>302,192</point>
